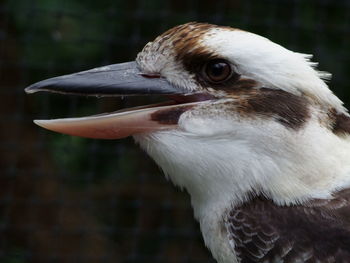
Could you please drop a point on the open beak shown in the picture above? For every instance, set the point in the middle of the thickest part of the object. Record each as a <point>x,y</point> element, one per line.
<point>118,80</point>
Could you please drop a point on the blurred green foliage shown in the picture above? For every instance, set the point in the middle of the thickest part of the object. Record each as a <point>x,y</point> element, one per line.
<point>63,30</point>
<point>15,256</point>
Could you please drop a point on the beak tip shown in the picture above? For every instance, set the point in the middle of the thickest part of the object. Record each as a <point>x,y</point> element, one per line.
<point>31,89</point>
<point>40,123</point>
<point>28,90</point>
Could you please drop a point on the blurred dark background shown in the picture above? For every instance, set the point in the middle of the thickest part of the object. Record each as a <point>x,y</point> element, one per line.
<point>67,199</point>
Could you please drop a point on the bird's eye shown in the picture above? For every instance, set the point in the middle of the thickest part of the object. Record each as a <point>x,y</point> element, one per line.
<point>217,70</point>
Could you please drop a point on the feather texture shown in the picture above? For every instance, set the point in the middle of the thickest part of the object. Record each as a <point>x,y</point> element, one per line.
<point>319,231</point>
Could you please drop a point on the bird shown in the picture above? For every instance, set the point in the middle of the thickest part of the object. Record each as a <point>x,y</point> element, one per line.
<point>250,130</point>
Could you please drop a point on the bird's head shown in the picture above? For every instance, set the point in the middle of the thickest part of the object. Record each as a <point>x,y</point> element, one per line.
<point>245,116</point>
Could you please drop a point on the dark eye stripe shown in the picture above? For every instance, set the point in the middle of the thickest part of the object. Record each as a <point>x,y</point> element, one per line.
<point>341,123</point>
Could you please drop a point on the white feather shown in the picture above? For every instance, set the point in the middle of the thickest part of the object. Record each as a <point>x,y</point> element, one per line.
<point>271,64</point>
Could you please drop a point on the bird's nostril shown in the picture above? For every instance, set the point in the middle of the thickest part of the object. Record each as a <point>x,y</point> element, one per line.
<point>150,76</point>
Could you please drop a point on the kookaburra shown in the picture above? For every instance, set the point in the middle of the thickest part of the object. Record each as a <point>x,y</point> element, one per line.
<point>251,131</point>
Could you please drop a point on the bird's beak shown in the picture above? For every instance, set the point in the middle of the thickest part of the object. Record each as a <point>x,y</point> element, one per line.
<point>112,80</point>
<point>115,80</point>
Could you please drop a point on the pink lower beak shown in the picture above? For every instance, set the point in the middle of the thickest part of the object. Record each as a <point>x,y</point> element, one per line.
<point>119,124</point>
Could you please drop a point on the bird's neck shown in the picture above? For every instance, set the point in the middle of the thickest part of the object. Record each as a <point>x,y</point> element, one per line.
<point>221,174</point>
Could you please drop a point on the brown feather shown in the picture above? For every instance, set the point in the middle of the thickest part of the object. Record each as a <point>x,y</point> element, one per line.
<point>316,232</point>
